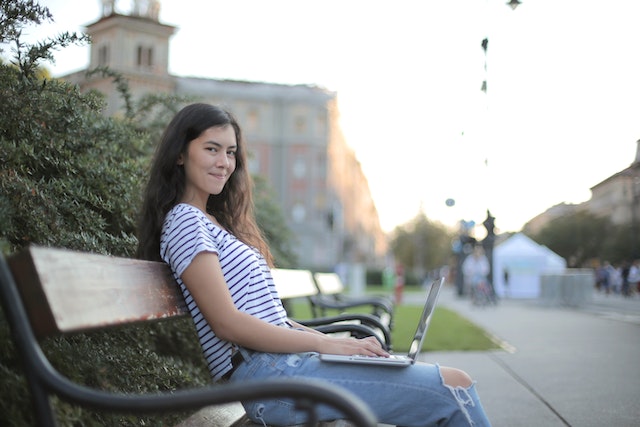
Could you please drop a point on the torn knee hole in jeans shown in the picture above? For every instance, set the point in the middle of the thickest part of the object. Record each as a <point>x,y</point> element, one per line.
<point>259,412</point>
<point>293,360</point>
<point>462,397</point>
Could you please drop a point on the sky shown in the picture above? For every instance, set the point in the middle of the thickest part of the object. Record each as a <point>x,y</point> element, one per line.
<point>561,112</point>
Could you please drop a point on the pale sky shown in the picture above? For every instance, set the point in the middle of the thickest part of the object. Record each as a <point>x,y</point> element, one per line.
<point>561,113</point>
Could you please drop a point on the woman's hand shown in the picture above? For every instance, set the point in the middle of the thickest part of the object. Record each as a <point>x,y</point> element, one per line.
<point>369,346</point>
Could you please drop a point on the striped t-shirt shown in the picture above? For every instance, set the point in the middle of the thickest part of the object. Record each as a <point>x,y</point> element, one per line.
<point>187,232</point>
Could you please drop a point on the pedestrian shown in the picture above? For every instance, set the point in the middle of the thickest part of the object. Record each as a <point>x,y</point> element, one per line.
<point>197,216</point>
<point>615,278</point>
<point>475,270</point>
<point>506,282</point>
<point>625,269</point>
<point>634,277</point>
<point>603,273</point>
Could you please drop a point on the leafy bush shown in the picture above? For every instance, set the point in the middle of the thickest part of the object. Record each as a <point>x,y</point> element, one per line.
<point>71,178</point>
<point>136,359</point>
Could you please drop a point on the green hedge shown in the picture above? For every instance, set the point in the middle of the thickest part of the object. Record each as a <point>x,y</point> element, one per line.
<point>163,356</point>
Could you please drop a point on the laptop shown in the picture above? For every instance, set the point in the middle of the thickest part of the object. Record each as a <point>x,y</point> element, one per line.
<point>416,343</point>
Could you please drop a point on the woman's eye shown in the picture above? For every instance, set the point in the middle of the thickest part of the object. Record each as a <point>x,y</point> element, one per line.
<point>231,153</point>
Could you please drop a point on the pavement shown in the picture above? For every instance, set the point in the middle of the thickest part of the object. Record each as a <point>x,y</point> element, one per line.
<point>558,366</point>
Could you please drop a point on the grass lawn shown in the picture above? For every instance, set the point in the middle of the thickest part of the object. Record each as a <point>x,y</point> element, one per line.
<point>448,331</point>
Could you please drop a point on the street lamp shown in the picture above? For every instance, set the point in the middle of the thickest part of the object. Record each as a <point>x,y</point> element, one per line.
<point>635,201</point>
<point>489,222</point>
<point>488,244</point>
<point>513,4</point>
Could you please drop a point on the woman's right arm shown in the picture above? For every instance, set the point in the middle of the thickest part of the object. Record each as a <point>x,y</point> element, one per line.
<point>207,285</point>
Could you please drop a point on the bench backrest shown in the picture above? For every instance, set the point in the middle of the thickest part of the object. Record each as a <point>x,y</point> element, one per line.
<point>294,283</point>
<point>329,283</point>
<point>66,291</point>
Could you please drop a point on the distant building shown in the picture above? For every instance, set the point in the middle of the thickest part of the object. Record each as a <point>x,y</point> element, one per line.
<point>292,133</point>
<point>616,198</point>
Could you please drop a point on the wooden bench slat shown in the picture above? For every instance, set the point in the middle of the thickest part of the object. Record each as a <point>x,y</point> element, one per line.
<point>72,291</point>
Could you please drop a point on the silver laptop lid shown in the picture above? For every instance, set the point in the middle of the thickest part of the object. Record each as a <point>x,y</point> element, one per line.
<point>425,319</point>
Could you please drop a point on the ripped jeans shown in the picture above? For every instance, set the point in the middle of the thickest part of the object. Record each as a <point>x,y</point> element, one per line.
<point>411,396</point>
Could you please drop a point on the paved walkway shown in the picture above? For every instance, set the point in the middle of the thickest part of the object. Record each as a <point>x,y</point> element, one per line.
<point>559,367</point>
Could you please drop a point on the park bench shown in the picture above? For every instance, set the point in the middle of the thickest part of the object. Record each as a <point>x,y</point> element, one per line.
<point>46,292</point>
<point>300,284</point>
<point>332,296</point>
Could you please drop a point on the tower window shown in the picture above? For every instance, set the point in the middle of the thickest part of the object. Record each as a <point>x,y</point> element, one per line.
<point>103,55</point>
<point>145,56</point>
<point>300,125</point>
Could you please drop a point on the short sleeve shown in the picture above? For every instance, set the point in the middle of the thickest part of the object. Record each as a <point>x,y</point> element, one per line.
<point>185,234</point>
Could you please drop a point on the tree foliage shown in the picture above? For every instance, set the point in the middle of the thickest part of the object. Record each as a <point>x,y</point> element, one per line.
<point>582,236</point>
<point>70,176</point>
<point>271,221</point>
<point>421,245</point>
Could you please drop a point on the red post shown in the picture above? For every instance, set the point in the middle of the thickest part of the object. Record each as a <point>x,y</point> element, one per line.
<point>399,287</point>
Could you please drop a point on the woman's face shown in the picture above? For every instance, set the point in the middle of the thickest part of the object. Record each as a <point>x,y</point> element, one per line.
<point>208,163</point>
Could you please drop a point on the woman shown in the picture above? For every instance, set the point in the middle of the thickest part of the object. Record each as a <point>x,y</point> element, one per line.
<point>197,216</point>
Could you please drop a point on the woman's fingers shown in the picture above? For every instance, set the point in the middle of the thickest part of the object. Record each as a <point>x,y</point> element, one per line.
<point>374,346</point>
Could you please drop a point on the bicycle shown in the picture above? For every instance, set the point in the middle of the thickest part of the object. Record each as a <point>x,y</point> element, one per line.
<point>481,294</point>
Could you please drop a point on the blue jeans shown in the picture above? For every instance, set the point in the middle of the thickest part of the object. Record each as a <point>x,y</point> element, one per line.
<point>411,396</point>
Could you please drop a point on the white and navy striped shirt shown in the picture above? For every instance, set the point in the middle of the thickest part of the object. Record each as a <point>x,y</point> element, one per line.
<point>187,232</point>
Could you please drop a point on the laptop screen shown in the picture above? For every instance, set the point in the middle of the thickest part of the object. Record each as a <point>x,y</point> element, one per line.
<point>425,318</point>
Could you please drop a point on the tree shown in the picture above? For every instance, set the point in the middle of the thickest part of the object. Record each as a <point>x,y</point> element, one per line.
<point>578,237</point>
<point>421,245</point>
<point>271,220</point>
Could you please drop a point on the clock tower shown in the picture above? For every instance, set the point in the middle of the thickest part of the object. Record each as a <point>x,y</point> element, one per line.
<point>133,43</point>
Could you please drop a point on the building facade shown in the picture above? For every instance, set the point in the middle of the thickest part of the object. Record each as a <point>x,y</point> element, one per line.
<point>292,133</point>
<point>616,198</point>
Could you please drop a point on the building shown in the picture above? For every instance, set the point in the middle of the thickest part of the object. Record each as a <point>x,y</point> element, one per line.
<point>616,198</point>
<point>292,133</point>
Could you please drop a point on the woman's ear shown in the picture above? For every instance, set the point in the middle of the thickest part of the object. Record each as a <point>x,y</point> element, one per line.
<point>180,161</point>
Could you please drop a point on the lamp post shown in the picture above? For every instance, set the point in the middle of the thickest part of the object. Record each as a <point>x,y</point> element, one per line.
<point>635,202</point>
<point>489,223</point>
<point>488,243</point>
<point>513,4</point>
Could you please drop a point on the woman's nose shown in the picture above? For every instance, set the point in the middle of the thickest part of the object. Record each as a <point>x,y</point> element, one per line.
<point>222,161</point>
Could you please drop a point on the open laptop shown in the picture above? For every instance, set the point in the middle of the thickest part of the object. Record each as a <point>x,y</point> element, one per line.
<point>416,344</point>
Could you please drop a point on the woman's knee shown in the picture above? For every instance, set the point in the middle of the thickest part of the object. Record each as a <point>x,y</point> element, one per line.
<point>455,377</point>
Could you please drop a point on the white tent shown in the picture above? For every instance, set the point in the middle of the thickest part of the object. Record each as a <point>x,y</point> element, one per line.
<point>525,261</point>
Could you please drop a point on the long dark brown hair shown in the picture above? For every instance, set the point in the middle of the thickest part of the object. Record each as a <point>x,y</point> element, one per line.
<point>233,207</point>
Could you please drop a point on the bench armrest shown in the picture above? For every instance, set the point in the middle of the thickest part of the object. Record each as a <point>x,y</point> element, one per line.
<point>378,305</point>
<point>371,324</point>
